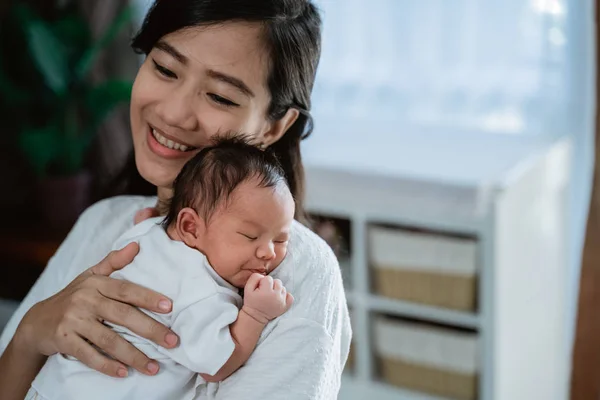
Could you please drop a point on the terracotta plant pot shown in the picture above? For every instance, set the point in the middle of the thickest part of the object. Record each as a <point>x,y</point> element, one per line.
<point>63,199</point>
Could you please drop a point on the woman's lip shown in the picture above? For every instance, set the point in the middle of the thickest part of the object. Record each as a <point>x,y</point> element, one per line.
<point>163,151</point>
<point>162,133</point>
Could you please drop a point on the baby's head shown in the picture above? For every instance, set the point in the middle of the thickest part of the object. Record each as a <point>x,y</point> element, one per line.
<point>232,202</point>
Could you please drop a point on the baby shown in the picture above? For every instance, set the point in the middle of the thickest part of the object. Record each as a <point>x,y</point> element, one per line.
<point>227,227</point>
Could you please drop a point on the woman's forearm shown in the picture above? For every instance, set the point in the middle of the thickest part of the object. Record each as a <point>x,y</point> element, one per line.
<point>18,367</point>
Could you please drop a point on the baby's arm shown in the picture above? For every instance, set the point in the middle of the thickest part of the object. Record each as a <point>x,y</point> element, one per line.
<point>264,299</point>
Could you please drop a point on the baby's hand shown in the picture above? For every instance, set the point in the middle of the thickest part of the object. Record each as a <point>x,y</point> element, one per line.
<point>265,298</point>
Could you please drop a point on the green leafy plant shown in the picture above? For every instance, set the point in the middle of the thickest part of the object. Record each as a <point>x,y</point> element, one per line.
<point>50,108</point>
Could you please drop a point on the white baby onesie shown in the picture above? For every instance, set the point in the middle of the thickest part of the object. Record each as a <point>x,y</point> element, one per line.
<point>204,305</point>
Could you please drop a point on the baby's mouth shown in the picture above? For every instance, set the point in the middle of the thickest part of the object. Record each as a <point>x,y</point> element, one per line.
<point>260,271</point>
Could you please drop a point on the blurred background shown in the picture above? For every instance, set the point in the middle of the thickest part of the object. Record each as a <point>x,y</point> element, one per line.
<point>450,170</point>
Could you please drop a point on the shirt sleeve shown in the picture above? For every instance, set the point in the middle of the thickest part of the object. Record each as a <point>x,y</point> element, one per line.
<point>52,278</point>
<point>298,360</point>
<point>203,327</point>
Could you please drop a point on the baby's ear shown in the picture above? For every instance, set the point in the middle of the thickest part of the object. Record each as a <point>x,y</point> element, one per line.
<point>189,226</point>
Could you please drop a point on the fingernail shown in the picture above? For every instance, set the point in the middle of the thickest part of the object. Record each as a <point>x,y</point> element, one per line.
<point>164,305</point>
<point>122,372</point>
<point>171,339</point>
<point>152,367</point>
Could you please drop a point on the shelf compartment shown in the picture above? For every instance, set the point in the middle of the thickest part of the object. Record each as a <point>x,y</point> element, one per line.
<point>424,267</point>
<point>419,311</point>
<point>336,231</point>
<point>353,389</point>
<point>425,358</point>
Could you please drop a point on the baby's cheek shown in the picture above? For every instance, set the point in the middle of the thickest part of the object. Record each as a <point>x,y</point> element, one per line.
<point>282,254</point>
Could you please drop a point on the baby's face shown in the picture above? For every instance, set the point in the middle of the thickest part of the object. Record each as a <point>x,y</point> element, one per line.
<point>251,234</point>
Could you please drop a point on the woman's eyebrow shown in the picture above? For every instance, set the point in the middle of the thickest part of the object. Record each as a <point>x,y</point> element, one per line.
<point>220,76</point>
<point>232,81</point>
<point>167,48</point>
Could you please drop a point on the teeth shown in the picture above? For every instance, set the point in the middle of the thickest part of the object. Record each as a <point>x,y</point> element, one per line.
<point>169,143</point>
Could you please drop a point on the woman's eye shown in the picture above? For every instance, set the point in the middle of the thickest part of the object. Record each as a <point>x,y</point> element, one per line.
<point>222,100</point>
<point>167,73</point>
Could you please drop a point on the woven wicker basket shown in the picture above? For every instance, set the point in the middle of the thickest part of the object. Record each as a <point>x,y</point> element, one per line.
<point>350,362</point>
<point>424,268</point>
<point>434,360</point>
<point>447,291</point>
<point>428,379</point>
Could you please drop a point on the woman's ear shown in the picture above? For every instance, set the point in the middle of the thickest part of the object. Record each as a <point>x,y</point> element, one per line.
<point>190,227</point>
<point>279,128</point>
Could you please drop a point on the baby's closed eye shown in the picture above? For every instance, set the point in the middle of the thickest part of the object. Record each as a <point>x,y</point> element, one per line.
<point>249,237</point>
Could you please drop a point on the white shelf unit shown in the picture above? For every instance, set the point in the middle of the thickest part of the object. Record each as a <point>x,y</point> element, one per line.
<point>407,309</point>
<point>510,194</point>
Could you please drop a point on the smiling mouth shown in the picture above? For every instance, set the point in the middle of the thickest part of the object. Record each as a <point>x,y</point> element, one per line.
<point>170,144</point>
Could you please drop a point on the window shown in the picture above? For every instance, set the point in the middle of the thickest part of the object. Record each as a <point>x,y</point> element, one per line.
<point>496,66</point>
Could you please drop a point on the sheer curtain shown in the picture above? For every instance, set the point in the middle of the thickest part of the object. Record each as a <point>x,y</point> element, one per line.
<point>485,65</point>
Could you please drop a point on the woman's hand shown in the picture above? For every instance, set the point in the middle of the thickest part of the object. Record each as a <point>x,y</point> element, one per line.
<point>73,318</point>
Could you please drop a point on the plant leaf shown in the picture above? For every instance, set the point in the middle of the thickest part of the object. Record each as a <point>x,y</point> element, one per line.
<point>49,54</point>
<point>73,30</point>
<point>9,90</point>
<point>103,98</point>
<point>72,155</point>
<point>89,57</point>
<point>40,147</point>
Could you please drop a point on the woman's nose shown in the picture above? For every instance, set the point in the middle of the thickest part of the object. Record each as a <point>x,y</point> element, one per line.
<point>266,251</point>
<point>178,110</point>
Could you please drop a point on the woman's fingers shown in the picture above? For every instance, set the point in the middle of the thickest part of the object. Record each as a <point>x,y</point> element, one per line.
<point>114,345</point>
<point>85,353</point>
<point>63,322</point>
<point>136,321</point>
<point>130,293</point>
<point>115,260</point>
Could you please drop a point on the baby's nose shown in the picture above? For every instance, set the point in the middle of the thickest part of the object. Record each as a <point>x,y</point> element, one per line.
<point>266,252</point>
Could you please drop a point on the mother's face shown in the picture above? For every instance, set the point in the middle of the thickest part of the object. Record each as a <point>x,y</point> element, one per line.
<point>194,84</point>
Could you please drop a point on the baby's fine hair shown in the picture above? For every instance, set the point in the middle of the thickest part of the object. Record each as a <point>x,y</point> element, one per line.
<point>210,177</point>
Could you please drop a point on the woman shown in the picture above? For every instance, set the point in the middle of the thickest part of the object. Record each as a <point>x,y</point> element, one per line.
<point>212,66</point>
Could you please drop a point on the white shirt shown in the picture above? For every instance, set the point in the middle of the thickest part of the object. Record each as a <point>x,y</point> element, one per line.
<point>204,305</point>
<point>299,356</point>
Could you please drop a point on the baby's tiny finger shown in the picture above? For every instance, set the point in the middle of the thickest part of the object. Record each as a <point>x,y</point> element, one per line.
<point>253,282</point>
<point>289,300</point>
<point>266,282</point>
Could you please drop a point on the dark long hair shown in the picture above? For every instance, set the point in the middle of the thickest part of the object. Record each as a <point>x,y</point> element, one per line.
<point>208,180</point>
<point>292,33</point>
